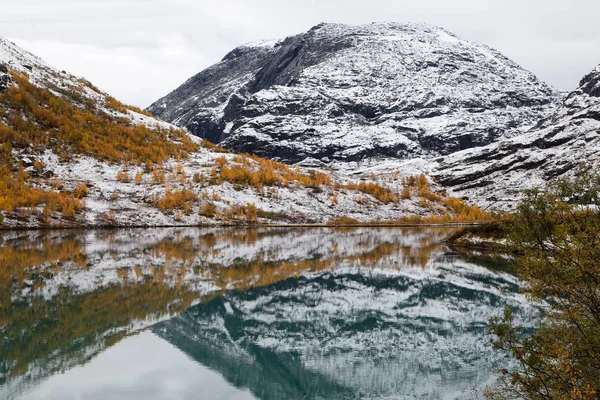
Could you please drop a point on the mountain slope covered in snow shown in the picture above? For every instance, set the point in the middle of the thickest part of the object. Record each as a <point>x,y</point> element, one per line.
<point>343,94</point>
<point>496,175</point>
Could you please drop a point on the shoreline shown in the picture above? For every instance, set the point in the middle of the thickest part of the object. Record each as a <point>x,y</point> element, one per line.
<point>243,226</point>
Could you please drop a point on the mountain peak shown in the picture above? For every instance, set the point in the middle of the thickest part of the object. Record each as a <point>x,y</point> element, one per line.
<point>590,84</point>
<point>376,26</point>
<point>353,93</point>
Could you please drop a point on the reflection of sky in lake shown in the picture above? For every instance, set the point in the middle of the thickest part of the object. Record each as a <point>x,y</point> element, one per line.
<point>141,367</point>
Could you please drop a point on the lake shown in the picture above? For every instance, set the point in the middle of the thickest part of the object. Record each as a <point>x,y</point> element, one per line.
<point>271,313</point>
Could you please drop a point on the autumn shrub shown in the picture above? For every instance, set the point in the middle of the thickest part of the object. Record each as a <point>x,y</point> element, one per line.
<point>56,183</point>
<point>67,207</point>
<point>123,176</point>
<point>108,218</point>
<point>411,181</point>
<point>139,110</point>
<point>405,194</point>
<point>158,177</point>
<point>464,212</point>
<point>422,182</point>
<point>38,165</point>
<point>176,199</point>
<point>381,193</point>
<point>81,191</point>
<point>251,213</point>
<point>334,200</point>
<point>253,171</point>
<point>314,179</point>
<point>214,147</point>
<point>425,193</point>
<point>114,104</point>
<point>18,192</point>
<point>247,213</point>
<point>208,210</point>
<point>197,178</point>
<point>237,174</point>
<point>221,161</point>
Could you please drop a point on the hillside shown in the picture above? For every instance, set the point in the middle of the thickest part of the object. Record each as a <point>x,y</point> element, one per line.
<point>72,155</point>
<point>560,145</point>
<point>341,95</point>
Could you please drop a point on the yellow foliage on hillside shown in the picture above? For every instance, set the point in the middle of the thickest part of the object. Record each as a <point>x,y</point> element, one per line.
<point>253,171</point>
<point>247,213</point>
<point>182,199</point>
<point>381,193</point>
<point>17,192</point>
<point>38,119</point>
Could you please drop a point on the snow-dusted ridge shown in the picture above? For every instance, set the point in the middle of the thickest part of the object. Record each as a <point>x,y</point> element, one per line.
<point>346,94</point>
<point>39,72</point>
<point>407,85</point>
<point>496,175</point>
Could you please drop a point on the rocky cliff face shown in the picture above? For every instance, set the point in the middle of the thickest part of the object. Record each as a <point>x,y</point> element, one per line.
<point>495,175</point>
<point>341,93</point>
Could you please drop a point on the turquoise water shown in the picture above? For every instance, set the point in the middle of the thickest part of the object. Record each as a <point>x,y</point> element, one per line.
<point>386,313</point>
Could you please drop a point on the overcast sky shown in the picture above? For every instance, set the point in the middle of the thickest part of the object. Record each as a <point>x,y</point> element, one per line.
<point>139,50</point>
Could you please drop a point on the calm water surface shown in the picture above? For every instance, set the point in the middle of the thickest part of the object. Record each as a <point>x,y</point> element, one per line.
<point>385,313</point>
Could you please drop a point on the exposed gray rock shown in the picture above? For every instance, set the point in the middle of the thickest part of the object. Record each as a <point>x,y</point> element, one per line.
<point>590,84</point>
<point>5,78</point>
<point>341,93</point>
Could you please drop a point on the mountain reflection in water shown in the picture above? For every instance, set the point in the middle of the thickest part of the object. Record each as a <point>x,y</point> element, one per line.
<point>281,313</point>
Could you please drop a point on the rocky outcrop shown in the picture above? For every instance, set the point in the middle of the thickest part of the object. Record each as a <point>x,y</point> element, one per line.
<point>496,175</point>
<point>342,94</point>
<point>214,86</point>
<point>5,78</point>
<point>590,84</point>
<point>5,81</point>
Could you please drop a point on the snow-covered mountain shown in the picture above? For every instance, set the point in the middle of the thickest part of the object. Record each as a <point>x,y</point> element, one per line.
<point>74,156</point>
<point>496,175</point>
<point>341,93</point>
